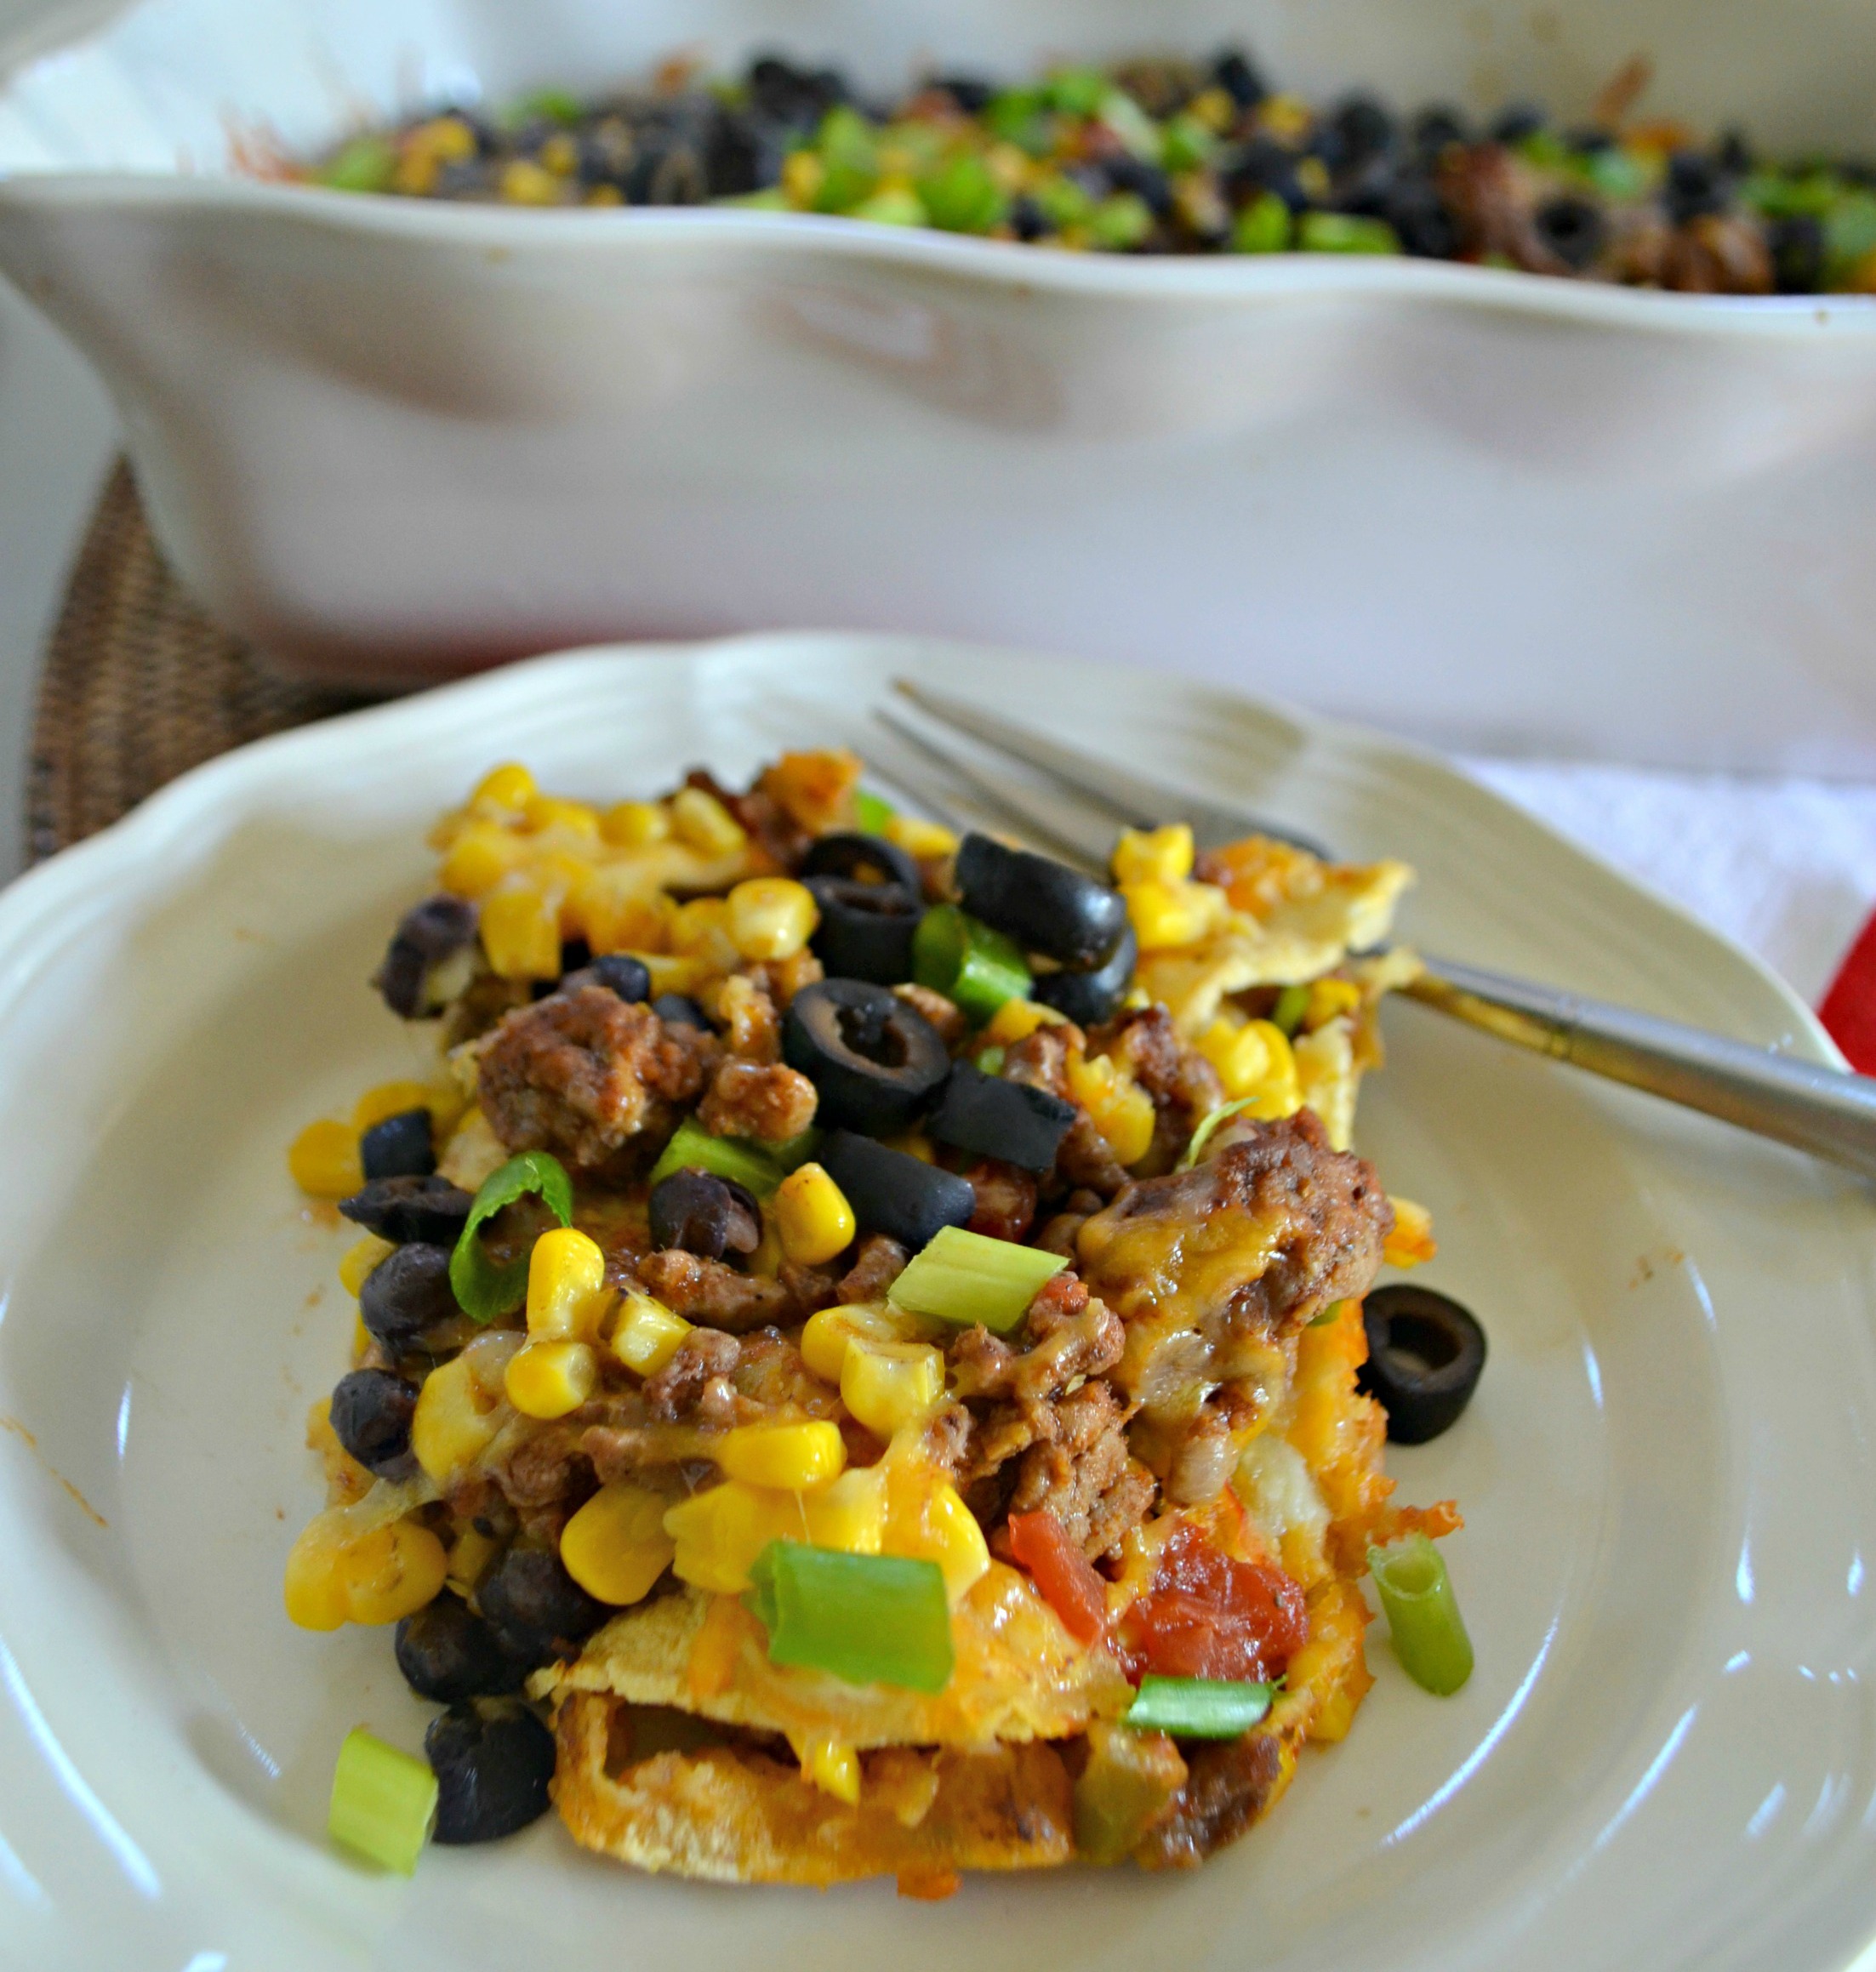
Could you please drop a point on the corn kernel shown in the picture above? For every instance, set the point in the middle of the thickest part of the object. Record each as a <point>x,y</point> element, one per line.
<point>392,1573</point>
<point>792,1457</point>
<point>1411,1239</point>
<point>619,911</point>
<point>828,1335</point>
<point>560,155</point>
<point>1121,1109</point>
<point>802,171</point>
<point>927,1519</point>
<point>521,933</point>
<point>700,929</point>
<point>636,824</point>
<point>549,1379</point>
<point>1168,915</point>
<point>470,1555</point>
<point>924,840</point>
<point>1328,1000</point>
<point>889,1385</point>
<point>1154,855</point>
<point>479,858</point>
<point>525,183</point>
<point>701,820</point>
<point>646,1334</point>
<point>508,788</point>
<point>771,917</point>
<point>767,1259</point>
<point>615,1547</point>
<point>314,1589</point>
<point>458,1408</point>
<point>324,1160</point>
<point>567,1298</point>
<point>672,974</point>
<point>546,812</point>
<point>1255,1063</point>
<point>831,1765</point>
<point>363,1340</point>
<point>355,1269</point>
<point>849,1514</point>
<point>812,1217</point>
<point>1017,1020</point>
<point>719,1533</point>
<point>388,1099</point>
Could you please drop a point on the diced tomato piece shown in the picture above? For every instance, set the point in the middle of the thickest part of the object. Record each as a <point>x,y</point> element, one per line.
<point>1064,1575</point>
<point>1206,1615</point>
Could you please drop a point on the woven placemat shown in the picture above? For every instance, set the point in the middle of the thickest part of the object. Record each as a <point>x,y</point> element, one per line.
<point>139,685</point>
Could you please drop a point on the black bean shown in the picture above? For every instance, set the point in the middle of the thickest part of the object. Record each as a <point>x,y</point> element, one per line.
<point>1797,247</point>
<point>993,1118</point>
<point>1366,129</point>
<point>1734,153</point>
<point>628,977</point>
<point>868,858</point>
<point>427,936</point>
<point>493,1765</point>
<point>1146,181</point>
<point>970,93</point>
<point>875,1061</point>
<point>447,1652</point>
<point>1436,130</point>
<point>1425,1356</point>
<point>371,1414</point>
<point>406,1209</point>
<point>865,930</point>
<point>703,1214</point>
<point>1041,903</point>
<point>679,1010</point>
<point>893,1192</point>
<point>399,1147</point>
<point>538,1612</point>
<point>1516,122</point>
<point>1695,186</point>
<point>1574,228</point>
<point>1233,73</point>
<point>407,1293</point>
<point>1090,996</point>
<point>1420,220</point>
<point>1260,166</point>
<point>1028,221</point>
<point>1590,141</point>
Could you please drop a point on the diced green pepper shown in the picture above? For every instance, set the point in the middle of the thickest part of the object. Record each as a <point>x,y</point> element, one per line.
<point>1423,1613</point>
<point>1849,235</point>
<point>1292,1003</point>
<point>1121,221</point>
<point>1128,1783</point>
<point>967,1278</point>
<point>550,105</point>
<point>867,1619</point>
<point>692,1148</point>
<point>1076,92</point>
<point>871,813</point>
<point>1186,144</point>
<point>484,1290</point>
<point>1345,233</point>
<point>365,164</point>
<point>1198,1707</point>
<point>966,961</point>
<point>891,205</point>
<point>962,196</point>
<point>1263,227</point>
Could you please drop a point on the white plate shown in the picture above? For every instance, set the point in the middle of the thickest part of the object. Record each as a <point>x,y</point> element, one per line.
<point>1666,1757</point>
<point>383,437</point>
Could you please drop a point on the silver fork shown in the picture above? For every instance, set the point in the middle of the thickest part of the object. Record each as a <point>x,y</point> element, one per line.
<point>1827,1112</point>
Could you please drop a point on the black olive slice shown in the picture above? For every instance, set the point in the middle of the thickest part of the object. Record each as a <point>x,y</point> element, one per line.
<point>620,973</point>
<point>1090,997</point>
<point>412,978</point>
<point>399,1147</point>
<point>874,1060</point>
<point>864,858</point>
<point>680,1010</point>
<point>893,1192</point>
<point>866,929</point>
<point>406,1209</point>
<point>1044,905</point>
<point>493,1765</point>
<point>1425,1353</point>
<point>1010,1120</point>
<point>405,1293</point>
<point>371,1413</point>
<point>447,1652</point>
<point>703,1214</point>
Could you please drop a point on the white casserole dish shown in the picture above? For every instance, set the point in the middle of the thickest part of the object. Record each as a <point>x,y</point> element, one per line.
<point>389,441</point>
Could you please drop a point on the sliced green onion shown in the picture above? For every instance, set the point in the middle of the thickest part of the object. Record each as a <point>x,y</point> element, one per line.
<point>1345,233</point>
<point>484,1290</point>
<point>1198,1707</point>
<point>871,814</point>
<point>867,1619</point>
<point>990,1061</point>
<point>1263,227</point>
<point>967,1278</point>
<point>1208,1127</point>
<point>1332,1312</point>
<point>365,164</point>
<point>967,962</point>
<point>1292,1003</point>
<point>693,1148</point>
<point>1429,1633</point>
<point>383,1802</point>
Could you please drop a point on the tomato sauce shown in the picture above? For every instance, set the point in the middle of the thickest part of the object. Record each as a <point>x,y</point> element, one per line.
<point>1205,1616</point>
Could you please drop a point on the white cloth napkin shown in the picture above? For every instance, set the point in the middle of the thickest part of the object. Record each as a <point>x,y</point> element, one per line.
<point>1786,866</point>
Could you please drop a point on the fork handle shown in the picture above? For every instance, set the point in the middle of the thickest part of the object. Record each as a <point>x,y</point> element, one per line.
<point>1828,1112</point>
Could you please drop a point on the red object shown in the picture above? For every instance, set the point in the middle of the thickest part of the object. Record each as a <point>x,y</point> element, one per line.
<point>1206,1615</point>
<point>1848,1010</point>
<point>1065,1575</point>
